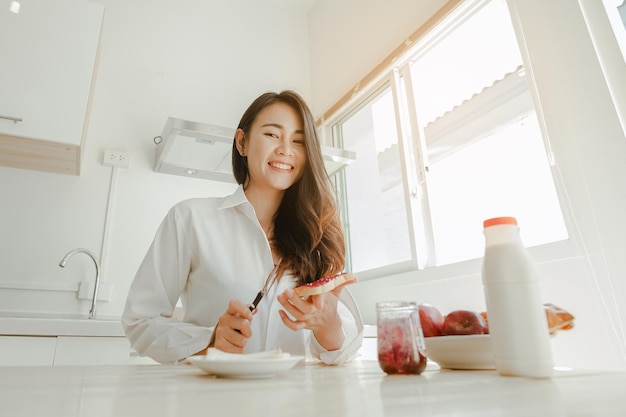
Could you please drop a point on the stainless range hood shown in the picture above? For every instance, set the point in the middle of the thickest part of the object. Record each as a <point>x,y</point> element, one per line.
<point>201,150</point>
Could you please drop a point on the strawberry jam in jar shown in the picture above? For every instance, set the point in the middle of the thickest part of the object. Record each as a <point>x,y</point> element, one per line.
<point>401,347</point>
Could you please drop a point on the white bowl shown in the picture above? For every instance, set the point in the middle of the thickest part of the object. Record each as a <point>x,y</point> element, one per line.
<point>460,352</point>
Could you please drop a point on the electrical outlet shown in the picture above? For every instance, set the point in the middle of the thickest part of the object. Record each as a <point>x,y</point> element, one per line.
<point>116,159</point>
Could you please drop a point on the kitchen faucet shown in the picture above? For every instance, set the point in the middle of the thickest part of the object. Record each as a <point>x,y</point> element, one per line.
<point>92,312</point>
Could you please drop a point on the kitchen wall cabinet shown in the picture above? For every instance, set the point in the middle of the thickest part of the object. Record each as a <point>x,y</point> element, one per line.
<point>27,350</point>
<point>49,53</point>
<point>91,351</point>
<point>67,350</point>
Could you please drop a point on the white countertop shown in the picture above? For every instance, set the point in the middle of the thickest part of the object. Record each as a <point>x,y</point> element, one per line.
<point>356,389</point>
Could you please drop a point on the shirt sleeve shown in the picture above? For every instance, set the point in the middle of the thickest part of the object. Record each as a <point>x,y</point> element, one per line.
<point>147,318</point>
<point>353,329</point>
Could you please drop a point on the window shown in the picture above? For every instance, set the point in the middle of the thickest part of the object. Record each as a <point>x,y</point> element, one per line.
<point>616,12</point>
<point>447,140</point>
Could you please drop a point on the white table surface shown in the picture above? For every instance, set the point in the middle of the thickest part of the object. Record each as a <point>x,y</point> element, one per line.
<point>358,389</point>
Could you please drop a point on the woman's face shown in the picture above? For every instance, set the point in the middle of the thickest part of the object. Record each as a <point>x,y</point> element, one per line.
<point>275,148</point>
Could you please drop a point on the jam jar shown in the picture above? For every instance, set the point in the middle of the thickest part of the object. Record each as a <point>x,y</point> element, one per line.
<point>401,347</point>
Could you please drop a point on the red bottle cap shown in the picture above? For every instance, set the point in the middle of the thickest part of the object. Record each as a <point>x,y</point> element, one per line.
<point>499,220</point>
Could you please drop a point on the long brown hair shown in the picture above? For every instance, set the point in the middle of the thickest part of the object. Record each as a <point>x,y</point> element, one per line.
<point>307,228</point>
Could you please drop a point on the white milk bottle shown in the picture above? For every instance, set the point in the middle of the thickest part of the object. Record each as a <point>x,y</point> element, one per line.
<point>518,326</point>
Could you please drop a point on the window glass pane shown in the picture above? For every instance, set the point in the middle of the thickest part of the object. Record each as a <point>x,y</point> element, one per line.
<point>616,12</point>
<point>486,154</point>
<point>504,174</point>
<point>376,214</point>
<point>470,57</point>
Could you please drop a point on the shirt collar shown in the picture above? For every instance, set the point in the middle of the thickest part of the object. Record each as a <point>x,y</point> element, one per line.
<point>235,199</point>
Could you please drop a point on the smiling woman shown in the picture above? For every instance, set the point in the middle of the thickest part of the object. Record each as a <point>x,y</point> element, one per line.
<point>281,225</point>
<point>272,150</point>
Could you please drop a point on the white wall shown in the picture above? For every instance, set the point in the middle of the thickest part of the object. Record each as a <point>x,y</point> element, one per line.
<point>348,38</point>
<point>586,137</point>
<point>194,59</point>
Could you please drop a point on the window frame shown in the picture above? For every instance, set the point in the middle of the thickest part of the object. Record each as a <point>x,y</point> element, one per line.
<point>333,129</point>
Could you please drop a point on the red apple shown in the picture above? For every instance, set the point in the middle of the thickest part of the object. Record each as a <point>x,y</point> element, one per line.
<point>431,319</point>
<point>464,322</point>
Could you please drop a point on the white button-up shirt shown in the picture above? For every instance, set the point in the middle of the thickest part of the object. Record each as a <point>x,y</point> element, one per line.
<point>206,252</point>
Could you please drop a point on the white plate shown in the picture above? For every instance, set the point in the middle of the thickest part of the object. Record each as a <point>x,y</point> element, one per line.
<point>246,368</point>
<point>460,352</point>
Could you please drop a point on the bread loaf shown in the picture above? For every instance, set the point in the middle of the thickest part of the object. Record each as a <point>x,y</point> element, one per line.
<point>558,318</point>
